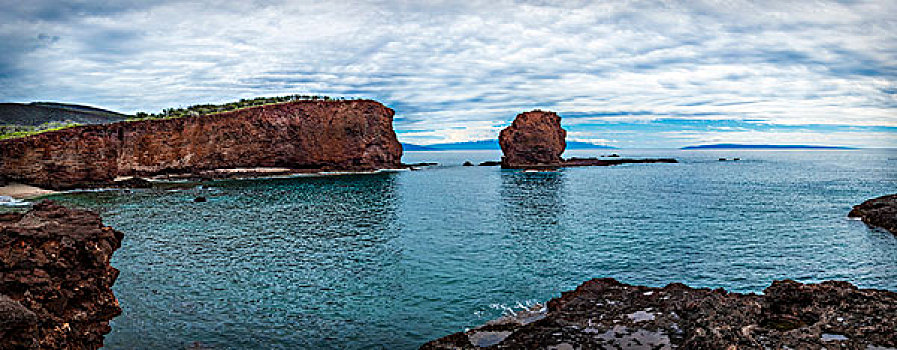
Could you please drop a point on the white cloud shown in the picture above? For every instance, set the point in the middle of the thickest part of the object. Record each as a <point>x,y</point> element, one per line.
<point>464,69</point>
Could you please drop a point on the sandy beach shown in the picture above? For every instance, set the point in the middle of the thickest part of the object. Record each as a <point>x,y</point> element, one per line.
<point>20,191</point>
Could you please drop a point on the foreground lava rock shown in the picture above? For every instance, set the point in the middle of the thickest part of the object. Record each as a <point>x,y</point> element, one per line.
<point>534,139</point>
<point>304,135</point>
<point>606,314</point>
<point>880,212</point>
<point>55,279</point>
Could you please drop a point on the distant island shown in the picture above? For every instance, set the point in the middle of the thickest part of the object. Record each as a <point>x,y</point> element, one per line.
<point>741,146</point>
<point>488,145</point>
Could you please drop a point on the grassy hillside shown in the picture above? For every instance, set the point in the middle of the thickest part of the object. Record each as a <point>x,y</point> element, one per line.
<point>38,113</point>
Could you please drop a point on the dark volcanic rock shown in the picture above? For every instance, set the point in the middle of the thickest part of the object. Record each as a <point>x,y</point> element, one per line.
<point>606,314</point>
<point>133,182</point>
<point>534,140</point>
<point>15,319</point>
<point>322,135</point>
<point>490,163</point>
<point>55,279</point>
<point>467,163</point>
<point>880,212</point>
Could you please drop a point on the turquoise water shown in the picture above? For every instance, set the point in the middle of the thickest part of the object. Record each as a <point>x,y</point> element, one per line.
<point>393,260</point>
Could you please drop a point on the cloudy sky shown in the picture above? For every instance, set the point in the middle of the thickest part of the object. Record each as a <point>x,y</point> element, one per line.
<point>626,74</point>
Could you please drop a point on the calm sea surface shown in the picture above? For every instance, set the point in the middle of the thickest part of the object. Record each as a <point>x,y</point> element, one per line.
<point>393,260</point>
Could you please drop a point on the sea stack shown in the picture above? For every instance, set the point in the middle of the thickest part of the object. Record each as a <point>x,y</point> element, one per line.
<point>534,140</point>
<point>351,135</point>
<point>878,212</point>
<point>55,278</point>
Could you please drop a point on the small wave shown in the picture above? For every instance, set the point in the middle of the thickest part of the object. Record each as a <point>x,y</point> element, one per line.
<point>522,313</point>
<point>7,201</point>
<point>90,190</point>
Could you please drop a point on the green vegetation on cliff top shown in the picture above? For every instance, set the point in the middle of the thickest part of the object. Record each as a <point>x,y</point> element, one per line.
<point>209,109</point>
<point>10,131</point>
<point>13,129</point>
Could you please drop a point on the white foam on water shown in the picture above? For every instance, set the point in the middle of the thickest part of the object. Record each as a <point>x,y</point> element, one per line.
<point>7,201</point>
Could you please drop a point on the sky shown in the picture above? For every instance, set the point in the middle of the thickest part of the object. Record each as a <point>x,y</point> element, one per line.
<point>620,73</point>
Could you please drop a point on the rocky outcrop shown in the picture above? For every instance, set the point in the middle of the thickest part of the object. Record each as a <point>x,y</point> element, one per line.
<point>606,314</point>
<point>879,212</point>
<point>534,140</point>
<point>55,279</point>
<point>309,135</point>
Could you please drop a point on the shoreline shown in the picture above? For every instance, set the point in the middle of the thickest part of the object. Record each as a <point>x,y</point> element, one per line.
<point>24,192</point>
<point>604,313</point>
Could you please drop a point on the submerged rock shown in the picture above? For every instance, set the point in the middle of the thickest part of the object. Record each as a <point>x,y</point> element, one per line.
<point>133,182</point>
<point>606,314</point>
<point>490,163</point>
<point>879,212</point>
<point>55,278</point>
<point>534,140</point>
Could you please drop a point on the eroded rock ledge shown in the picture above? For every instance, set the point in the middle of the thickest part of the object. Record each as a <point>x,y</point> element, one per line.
<point>879,212</point>
<point>607,314</point>
<point>354,135</point>
<point>55,279</point>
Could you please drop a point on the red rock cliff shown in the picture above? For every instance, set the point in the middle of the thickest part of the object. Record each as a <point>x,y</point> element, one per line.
<point>534,139</point>
<point>325,135</point>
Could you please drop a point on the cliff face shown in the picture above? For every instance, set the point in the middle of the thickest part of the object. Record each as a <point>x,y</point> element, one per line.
<point>55,279</point>
<point>606,314</point>
<point>880,212</point>
<point>322,135</point>
<point>534,139</point>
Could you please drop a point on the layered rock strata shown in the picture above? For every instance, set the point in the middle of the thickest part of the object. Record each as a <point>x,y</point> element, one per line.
<point>55,279</point>
<point>606,314</point>
<point>878,212</point>
<point>351,135</point>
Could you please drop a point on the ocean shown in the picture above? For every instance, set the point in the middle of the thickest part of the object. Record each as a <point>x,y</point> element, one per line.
<point>392,260</point>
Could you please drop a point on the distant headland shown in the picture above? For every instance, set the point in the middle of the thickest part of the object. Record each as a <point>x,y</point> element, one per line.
<point>293,134</point>
<point>489,145</point>
<point>744,146</point>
